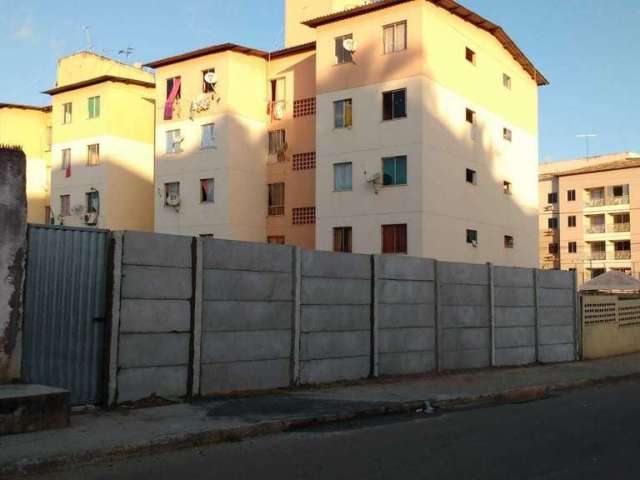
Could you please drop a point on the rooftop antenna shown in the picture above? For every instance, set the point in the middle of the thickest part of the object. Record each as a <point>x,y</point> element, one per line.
<point>587,137</point>
<point>126,52</point>
<point>87,34</point>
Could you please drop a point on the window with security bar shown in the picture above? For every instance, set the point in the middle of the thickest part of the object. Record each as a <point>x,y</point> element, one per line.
<point>93,155</point>
<point>276,199</point>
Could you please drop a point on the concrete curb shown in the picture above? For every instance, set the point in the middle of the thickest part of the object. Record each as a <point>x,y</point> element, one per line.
<point>517,395</point>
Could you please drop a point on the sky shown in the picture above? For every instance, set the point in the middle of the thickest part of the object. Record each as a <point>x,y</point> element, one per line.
<point>588,49</point>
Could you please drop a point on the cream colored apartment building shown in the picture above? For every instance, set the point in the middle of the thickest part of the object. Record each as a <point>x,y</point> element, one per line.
<point>102,129</point>
<point>589,215</point>
<point>406,127</point>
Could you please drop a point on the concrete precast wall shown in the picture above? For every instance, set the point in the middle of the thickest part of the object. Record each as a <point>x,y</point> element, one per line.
<point>247,316</point>
<point>203,317</point>
<point>13,243</point>
<point>154,316</point>
<point>335,318</point>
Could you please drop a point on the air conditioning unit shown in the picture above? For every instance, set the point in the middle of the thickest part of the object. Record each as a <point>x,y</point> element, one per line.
<point>90,218</point>
<point>173,200</point>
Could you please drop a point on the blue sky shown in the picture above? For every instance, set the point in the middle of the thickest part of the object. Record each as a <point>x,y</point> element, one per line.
<point>589,50</point>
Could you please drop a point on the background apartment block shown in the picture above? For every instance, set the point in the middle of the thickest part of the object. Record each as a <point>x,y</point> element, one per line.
<point>102,144</point>
<point>588,215</point>
<point>427,134</point>
<point>235,148</point>
<point>30,127</point>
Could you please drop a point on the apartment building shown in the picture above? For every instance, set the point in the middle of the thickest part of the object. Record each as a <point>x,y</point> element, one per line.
<point>30,127</point>
<point>235,144</point>
<point>427,134</point>
<point>588,215</point>
<point>102,122</point>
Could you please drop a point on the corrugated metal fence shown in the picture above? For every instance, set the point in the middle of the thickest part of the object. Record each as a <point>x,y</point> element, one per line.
<point>65,303</point>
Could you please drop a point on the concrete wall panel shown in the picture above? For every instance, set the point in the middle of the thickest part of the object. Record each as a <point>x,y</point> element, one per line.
<point>331,265</point>
<point>515,356</point>
<point>244,346</point>
<point>157,283</point>
<point>463,273</point>
<point>153,350</point>
<point>139,383</point>
<point>336,291</point>
<point>333,370</point>
<point>556,297</point>
<point>405,268</point>
<point>244,376</point>
<point>155,316</point>
<point>246,316</point>
<point>461,339</point>
<point>513,277</point>
<point>323,345</point>
<point>397,316</point>
<point>555,279</point>
<point>229,285</point>
<point>515,337</point>
<point>515,316</point>
<point>514,297</point>
<point>451,317</point>
<point>557,353</point>
<point>406,363</point>
<point>324,318</point>
<point>399,340</point>
<point>406,292</point>
<point>231,255</point>
<point>152,249</point>
<point>468,359</point>
<point>464,295</point>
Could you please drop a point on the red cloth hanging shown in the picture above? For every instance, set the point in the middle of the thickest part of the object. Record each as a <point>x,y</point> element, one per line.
<point>168,107</point>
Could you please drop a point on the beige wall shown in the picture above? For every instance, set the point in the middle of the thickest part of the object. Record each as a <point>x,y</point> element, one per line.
<point>82,66</point>
<point>298,11</point>
<point>437,204</point>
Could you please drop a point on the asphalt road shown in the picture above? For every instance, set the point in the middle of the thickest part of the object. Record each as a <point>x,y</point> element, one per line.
<point>584,434</point>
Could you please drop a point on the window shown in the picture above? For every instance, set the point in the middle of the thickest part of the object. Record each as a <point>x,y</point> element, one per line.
<point>472,237</point>
<point>394,104</point>
<point>66,159</point>
<point>343,113</point>
<point>93,201</point>
<point>394,238</point>
<point>573,247</point>
<point>394,170</point>
<point>508,241</point>
<point>571,195</point>
<point>507,134</point>
<point>278,90</point>
<point>470,116</point>
<point>276,240</point>
<point>571,220</point>
<point>276,199</point>
<point>174,141</point>
<point>94,107</point>
<point>553,248</point>
<point>174,88</point>
<point>206,190</point>
<point>49,139</point>
<point>67,113</point>
<point>171,189</point>
<point>552,223</point>
<point>342,239</point>
<point>206,86</point>
<point>65,205</point>
<point>618,191</point>
<point>395,37</point>
<point>342,54</point>
<point>471,176</point>
<point>277,142</point>
<point>552,197</point>
<point>208,138</point>
<point>342,177</point>
<point>507,188</point>
<point>470,55</point>
<point>506,81</point>
<point>93,155</point>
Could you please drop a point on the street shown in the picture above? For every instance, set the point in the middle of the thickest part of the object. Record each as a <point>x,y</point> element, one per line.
<point>584,434</point>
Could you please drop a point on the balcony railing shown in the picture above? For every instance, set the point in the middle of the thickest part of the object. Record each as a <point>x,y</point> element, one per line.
<point>601,202</point>
<point>623,254</point>
<point>598,255</point>
<point>619,227</point>
<point>596,229</point>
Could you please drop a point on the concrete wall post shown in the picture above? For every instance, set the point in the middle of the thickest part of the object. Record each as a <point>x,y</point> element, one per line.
<point>438,316</point>
<point>114,318</point>
<point>577,310</point>
<point>536,303</point>
<point>296,313</point>
<point>375,326</point>
<point>492,315</point>
<point>196,320</point>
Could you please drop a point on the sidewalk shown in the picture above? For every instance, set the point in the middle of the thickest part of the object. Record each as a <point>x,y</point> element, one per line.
<point>106,435</point>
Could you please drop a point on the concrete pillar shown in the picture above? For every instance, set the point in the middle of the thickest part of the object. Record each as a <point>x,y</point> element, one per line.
<point>114,317</point>
<point>536,303</point>
<point>375,333</point>
<point>196,319</point>
<point>438,320</point>
<point>492,316</point>
<point>296,320</point>
<point>13,247</point>
<point>577,310</point>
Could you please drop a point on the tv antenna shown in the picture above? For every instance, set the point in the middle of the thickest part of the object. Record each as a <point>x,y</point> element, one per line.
<point>587,137</point>
<point>126,52</point>
<point>87,33</point>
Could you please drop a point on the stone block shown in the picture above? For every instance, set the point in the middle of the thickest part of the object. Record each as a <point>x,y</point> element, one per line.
<point>32,408</point>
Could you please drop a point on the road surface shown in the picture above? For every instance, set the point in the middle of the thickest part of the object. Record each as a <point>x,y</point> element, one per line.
<point>584,434</point>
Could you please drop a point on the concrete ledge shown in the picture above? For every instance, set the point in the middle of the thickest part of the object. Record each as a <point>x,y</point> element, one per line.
<point>31,408</point>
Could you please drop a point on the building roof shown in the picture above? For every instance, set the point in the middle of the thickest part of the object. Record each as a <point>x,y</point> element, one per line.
<point>26,107</point>
<point>602,167</point>
<point>452,7</point>
<point>225,47</point>
<point>611,280</point>
<point>97,80</point>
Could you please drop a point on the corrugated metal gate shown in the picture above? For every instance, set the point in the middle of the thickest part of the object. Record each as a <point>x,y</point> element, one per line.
<point>65,309</point>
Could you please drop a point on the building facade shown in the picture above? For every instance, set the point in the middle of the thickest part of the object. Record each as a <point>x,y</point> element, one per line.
<point>30,127</point>
<point>102,122</point>
<point>588,215</point>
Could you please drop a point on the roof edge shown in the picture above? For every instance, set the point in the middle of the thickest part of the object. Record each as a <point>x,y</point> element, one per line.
<point>97,80</point>
<point>46,108</point>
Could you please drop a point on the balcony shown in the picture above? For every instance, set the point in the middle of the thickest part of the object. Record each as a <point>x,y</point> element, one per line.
<point>596,229</point>
<point>619,228</point>
<point>598,256</point>
<point>608,201</point>
<point>623,254</point>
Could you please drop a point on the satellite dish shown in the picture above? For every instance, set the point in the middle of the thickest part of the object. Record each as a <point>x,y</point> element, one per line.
<point>173,199</point>
<point>350,45</point>
<point>211,78</point>
<point>279,110</point>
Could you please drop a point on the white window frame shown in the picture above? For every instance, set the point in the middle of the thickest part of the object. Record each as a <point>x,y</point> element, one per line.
<point>212,193</point>
<point>93,160</point>
<point>393,27</point>
<point>343,182</point>
<point>67,113</point>
<point>207,142</point>
<point>341,106</point>
<point>92,102</point>
<point>173,141</point>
